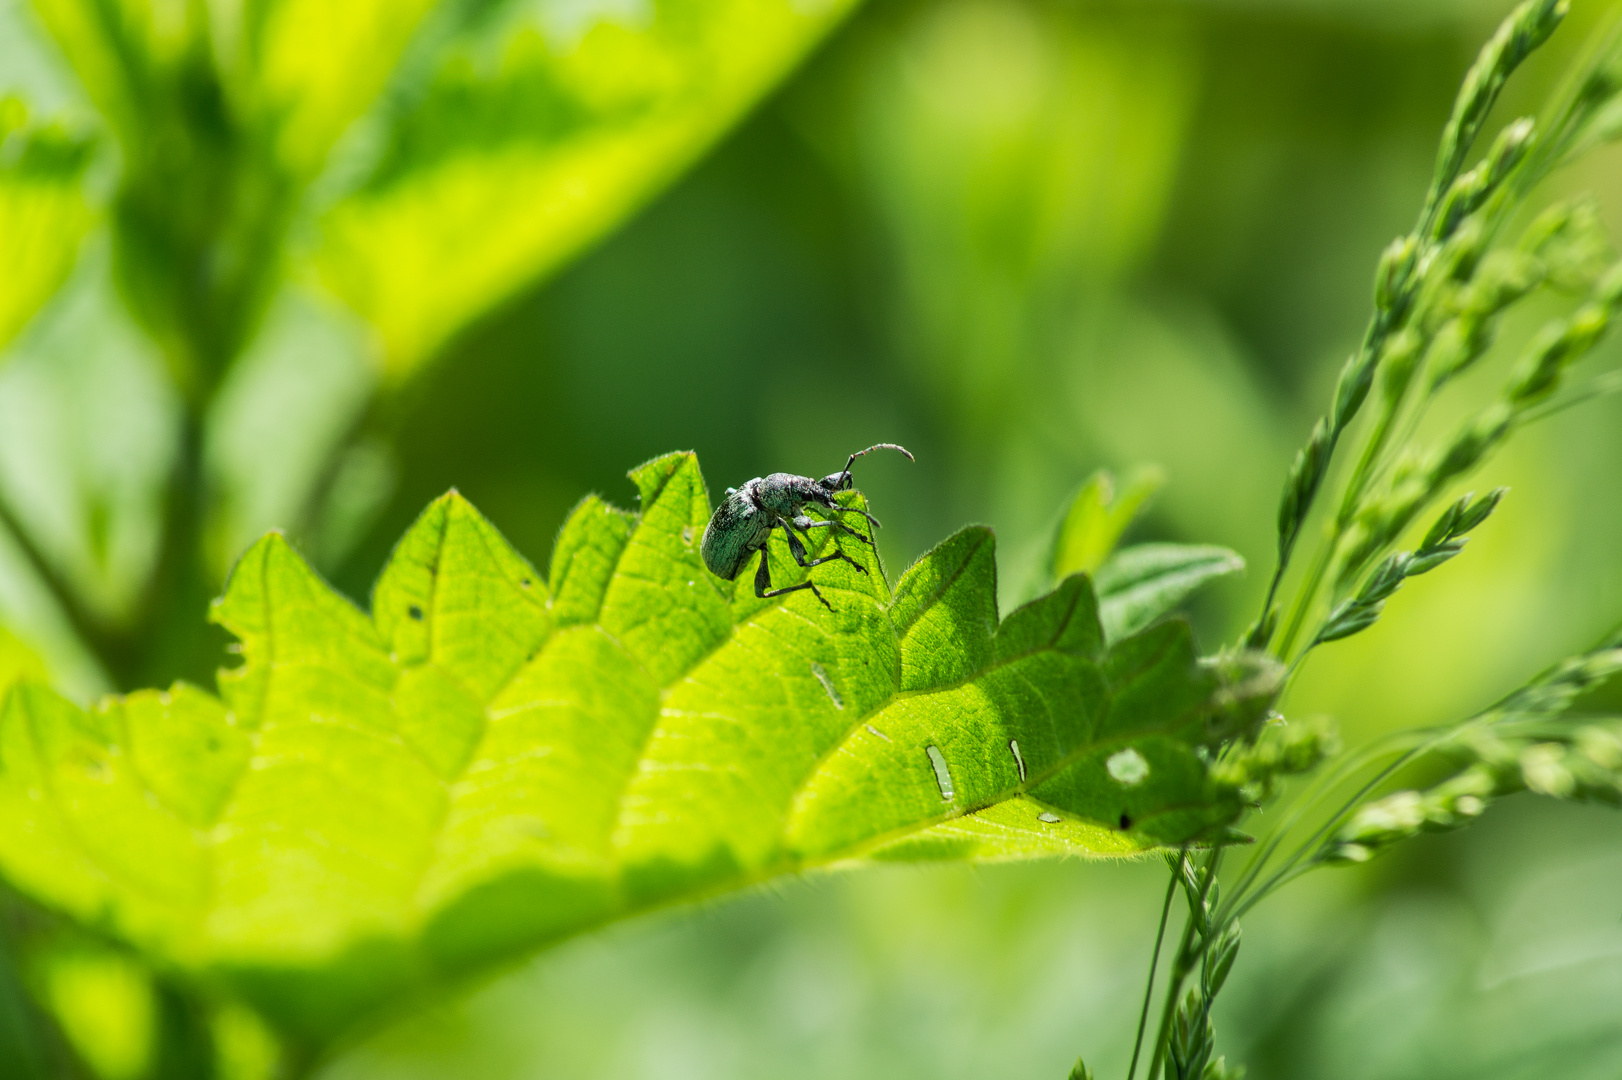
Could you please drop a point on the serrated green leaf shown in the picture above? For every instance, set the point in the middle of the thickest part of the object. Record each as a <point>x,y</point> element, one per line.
<point>1097,517</point>
<point>1144,582</point>
<point>491,760</point>
<point>530,142</point>
<point>43,214</point>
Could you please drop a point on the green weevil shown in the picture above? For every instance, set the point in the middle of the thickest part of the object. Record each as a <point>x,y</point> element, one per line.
<point>744,521</point>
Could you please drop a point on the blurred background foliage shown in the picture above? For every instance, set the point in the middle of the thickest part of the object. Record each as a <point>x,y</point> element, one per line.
<point>330,260</point>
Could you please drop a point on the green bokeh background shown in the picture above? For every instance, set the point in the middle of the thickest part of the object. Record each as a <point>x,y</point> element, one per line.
<point>1026,238</point>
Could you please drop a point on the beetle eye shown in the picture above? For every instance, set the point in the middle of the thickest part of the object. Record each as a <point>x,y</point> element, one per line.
<point>832,481</point>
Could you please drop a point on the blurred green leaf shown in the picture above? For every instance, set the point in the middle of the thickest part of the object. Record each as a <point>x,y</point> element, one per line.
<point>103,1001</point>
<point>294,74</point>
<point>25,1049</point>
<point>17,663</point>
<point>306,69</point>
<point>1140,584</point>
<point>530,141</point>
<point>1013,154</point>
<point>492,760</point>
<point>200,203</point>
<point>43,215</point>
<point>1097,517</point>
<point>510,137</point>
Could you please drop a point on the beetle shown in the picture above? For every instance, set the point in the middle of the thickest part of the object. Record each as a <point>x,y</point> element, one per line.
<point>744,521</point>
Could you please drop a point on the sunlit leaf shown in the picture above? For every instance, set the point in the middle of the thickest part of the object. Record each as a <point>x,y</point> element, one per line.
<point>494,759</point>
<point>532,140</point>
<point>43,215</point>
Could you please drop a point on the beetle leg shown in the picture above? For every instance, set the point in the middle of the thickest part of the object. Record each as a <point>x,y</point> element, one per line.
<point>797,549</point>
<point>804,523</point>
<point>763,584</point>
<point>871,520</point>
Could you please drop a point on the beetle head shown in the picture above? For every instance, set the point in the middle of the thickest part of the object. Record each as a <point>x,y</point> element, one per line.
<point>841,481</point>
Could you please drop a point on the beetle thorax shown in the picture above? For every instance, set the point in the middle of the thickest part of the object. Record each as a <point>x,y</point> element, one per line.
<point>785,493</point>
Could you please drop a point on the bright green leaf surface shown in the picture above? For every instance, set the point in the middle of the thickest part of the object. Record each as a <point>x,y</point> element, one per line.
<point>531,140</point>
<point>43,215</point>
<point>1140,584</point>
<point>493,759</point>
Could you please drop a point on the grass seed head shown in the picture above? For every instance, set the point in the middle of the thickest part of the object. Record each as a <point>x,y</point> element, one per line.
<point>1395,270</point>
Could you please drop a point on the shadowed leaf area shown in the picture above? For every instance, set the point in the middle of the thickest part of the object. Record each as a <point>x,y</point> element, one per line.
<point>494,758</point>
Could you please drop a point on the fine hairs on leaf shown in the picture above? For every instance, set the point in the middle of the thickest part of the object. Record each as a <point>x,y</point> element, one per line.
<point>493,758</point>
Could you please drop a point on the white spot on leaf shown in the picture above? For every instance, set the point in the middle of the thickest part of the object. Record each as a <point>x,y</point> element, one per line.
<point>1127,768</point>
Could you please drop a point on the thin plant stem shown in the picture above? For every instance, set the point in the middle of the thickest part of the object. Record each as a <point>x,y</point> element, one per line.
<point>1309,590</point>
<point>1272,587</point>
<point>1244,904</point>
<point>1182,966</point>
<point>85,624</point>
<point>1284,873</point>
<point>1154,962</point>
<point>1597,387</point>
<point>1303,802</point>
<point>1205,982</point>
<point>1178,974</point>
<point>139,649</point>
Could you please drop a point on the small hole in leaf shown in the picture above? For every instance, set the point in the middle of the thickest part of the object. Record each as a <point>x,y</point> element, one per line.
<point>416,612</point>
<point>943,775</point>
<point>1126,821</point>
<point>525,582</point>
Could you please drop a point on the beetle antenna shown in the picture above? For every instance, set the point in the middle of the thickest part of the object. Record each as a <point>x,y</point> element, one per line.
<point>902,450</point>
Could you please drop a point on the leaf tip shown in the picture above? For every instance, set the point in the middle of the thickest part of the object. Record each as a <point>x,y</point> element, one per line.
<point>653,475</point>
